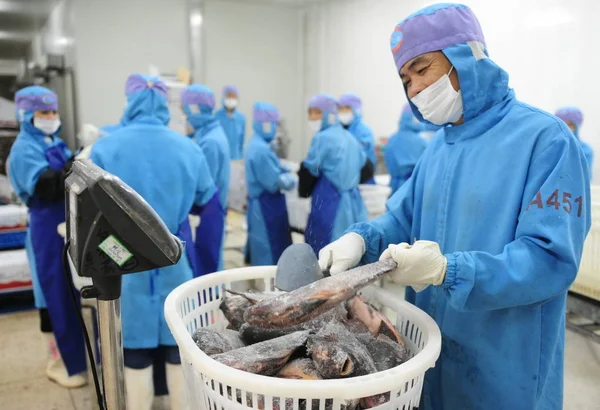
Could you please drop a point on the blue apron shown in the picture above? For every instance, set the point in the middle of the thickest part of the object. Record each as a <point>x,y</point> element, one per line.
<point>47,246</point>
<point>325,201</point>
<point>209,238</point>
<point>269,229</point>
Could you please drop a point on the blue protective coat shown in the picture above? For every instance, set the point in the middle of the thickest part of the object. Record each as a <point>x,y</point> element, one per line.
<point>403,150</point>
<point>336,158</point>
<point>210,234</point>
<point>234,125</point>
<point>268,223</point>
<point>32,154</point>
<point>506,196</point>
<point>171,173</point>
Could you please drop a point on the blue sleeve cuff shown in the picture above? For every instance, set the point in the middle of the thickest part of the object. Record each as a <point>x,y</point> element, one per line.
<point>451,270</point>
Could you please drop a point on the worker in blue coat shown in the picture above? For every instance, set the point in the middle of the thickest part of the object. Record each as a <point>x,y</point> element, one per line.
<point>171,173</point>
<point>330,174</point>
<point>232,121</point>
<point>404,149</point>
<point>494,256</point>
<point>198,103</point>
<point>38,163</point>
<point>350,116</point>
<point>268,223</point>
<point>573,117</point>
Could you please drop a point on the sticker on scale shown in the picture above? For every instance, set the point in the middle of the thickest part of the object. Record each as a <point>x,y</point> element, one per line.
<point>115,250</point>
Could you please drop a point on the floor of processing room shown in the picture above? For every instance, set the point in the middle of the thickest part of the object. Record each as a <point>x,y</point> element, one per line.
<point>24,386</point>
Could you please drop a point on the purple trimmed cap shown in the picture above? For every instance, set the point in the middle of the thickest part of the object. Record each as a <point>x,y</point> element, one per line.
<point>197,94</point>
<point>230,89</point>
<point>572,114</point>
<point>434,28</point>
<point>265,112</point>
<point>351,100</point>
<point>138,82</point>
<point>325,103</point>
<point>36,98</point>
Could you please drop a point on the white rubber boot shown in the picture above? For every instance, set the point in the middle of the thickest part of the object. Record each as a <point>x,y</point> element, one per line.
<point>176,385</point>
<point>56,370</point>
<point>139,388</point>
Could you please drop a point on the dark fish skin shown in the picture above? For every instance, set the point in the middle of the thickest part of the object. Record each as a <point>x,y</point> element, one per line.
<point>266,357</point>
<point>337,353</point>
<point>355,326</point>
<point>214,342</point>
<point>316,298</point>
<point>385,352</point>
<point>233,308</point>
<point>374,320</point>
<point>254,334</point>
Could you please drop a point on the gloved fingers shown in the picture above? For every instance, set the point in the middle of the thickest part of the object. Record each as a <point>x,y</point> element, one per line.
<point>324,257</point>
<point>339,267</point>
<point>388,252</point>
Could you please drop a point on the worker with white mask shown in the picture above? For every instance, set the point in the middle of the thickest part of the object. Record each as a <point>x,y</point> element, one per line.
<point>350,117</point>
<point>198,103</point>
<point>330,174</point>
<point>489,229</point>
<point>171,173</point>
<point>232,121</point>
<point>38,164</point>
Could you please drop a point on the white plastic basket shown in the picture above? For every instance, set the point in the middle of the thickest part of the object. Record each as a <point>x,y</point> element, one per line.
<point>213,386</point>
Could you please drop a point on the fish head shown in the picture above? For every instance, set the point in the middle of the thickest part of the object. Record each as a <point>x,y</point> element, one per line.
<point>330,357</point>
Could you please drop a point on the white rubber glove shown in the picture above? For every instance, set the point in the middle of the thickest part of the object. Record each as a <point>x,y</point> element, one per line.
<point>419,265</point>
<point>346,252</point>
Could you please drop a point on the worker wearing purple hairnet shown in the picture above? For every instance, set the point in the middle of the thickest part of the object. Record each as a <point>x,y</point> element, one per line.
<point>268,223</point>
<point>573,117</point>
<point>198,102</point>
<point>171,173</point>
<point>232,121</point>
<point>499,204</point>
<point>38,165</point>
<point>350,116</point>
<point>330,174</point>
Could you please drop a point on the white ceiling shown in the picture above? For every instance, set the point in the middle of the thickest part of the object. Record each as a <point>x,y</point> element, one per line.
<point>19,21</point>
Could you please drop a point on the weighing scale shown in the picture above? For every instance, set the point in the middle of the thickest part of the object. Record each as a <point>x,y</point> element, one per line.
<point>112,231</point>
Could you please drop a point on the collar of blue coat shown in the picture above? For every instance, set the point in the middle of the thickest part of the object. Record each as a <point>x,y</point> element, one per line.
<point>408,122</point>
<point>205,127</point>
<point>146,107</point>
<point>484,88</point>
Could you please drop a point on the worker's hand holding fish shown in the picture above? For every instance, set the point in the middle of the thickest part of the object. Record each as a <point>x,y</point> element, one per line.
<point>343,254</point>
<point>419,265</point>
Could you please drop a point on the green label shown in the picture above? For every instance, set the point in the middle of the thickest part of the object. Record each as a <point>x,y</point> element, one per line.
<point>115,250</point>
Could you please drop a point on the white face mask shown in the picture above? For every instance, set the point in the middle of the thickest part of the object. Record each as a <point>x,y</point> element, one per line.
<point>230,103</point>
<point>266,127</point>
<point>315,125</point>
<point>346,118</point>
<point>440,103</point>
<point>48,127</point>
